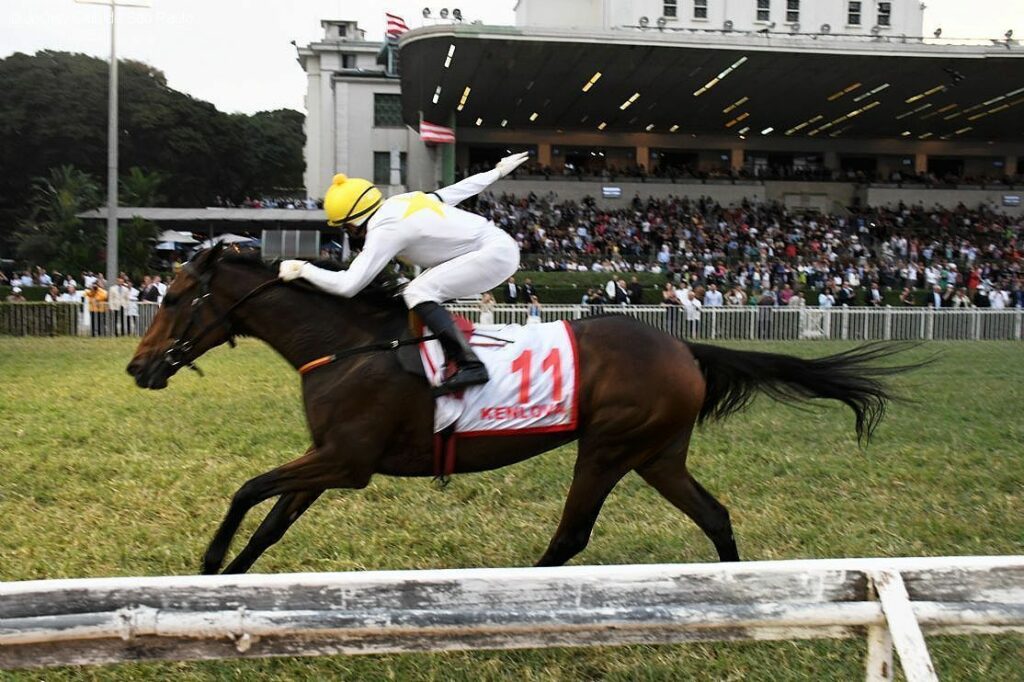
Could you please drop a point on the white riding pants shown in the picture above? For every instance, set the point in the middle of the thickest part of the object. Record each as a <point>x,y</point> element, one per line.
<point>470,274</point>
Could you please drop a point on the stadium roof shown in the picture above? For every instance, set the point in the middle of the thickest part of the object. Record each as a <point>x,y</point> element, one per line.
<point>821,86</point>
<point>213,215</point>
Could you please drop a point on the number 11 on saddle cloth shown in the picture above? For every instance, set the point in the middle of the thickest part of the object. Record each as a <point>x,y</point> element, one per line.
<point>534,384</point>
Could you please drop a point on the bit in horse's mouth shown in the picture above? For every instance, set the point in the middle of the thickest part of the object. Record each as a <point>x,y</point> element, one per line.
<point>152,374</point>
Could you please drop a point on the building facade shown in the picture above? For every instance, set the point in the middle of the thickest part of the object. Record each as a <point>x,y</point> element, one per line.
<point>354,114</point>
<point>846,17</point>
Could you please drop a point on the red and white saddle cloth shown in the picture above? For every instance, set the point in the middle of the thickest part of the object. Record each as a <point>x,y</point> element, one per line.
<point>534,384</point>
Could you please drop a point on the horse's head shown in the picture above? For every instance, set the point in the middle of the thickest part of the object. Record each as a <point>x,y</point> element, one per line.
<point>191,321</point>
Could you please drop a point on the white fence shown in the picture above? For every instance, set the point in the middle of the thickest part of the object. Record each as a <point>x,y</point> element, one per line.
<point>887,601</point>
<point>747,323</point>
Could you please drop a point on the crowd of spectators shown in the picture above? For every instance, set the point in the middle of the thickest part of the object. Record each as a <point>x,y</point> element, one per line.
<point>113,308</point>
<point>306,204</point>
<point>758,248</point>
<point>690,173</point>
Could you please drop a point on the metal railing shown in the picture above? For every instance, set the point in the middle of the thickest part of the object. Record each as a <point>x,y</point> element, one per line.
<point>747,323</point>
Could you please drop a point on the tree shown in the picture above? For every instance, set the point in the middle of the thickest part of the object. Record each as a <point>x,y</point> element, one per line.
<point>54,235</point>
<point>137,236</point>
<point>139,188</point>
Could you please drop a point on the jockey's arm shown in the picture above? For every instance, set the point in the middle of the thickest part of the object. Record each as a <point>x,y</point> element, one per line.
<point>453,195</point>
<point>474,184</point>
<point>381,246</point>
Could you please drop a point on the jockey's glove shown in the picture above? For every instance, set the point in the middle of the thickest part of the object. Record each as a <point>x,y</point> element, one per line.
<point>510,163</point>
<point>290,269</point>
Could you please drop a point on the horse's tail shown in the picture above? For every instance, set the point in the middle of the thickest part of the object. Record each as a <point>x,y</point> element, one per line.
<point>734,376</point>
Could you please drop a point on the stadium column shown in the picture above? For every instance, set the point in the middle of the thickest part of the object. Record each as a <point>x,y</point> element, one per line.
<point>1010,165</point>
<point>736,158</point>
<point>643,157</point>
<point>544,154</point>
<point>920,163</point>
<point>448,158</point>
<point>830,160</point>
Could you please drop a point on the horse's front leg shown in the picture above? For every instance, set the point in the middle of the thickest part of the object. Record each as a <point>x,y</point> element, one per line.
<point>286,512</point>
<point>317,470</point>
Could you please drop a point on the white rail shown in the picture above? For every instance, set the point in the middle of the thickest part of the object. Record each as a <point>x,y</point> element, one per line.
<point>748,323</point>
<point>891,601</point>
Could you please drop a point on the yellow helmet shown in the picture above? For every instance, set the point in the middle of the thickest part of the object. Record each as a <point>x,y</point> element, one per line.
<point>349,199</point>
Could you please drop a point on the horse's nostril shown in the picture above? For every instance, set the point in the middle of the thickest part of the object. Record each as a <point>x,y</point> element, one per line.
<point>134,367</point>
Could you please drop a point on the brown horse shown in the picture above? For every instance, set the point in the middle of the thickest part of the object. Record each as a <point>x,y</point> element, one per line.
<point>641,393</point>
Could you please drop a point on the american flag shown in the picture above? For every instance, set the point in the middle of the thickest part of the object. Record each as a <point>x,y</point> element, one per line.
<point>395,25</point>
<point>430,132</point>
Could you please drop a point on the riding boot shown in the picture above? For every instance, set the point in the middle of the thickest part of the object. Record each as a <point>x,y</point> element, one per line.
<point>469,370</point>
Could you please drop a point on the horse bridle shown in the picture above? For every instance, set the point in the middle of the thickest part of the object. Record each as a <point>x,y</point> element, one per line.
<point>174,356</point>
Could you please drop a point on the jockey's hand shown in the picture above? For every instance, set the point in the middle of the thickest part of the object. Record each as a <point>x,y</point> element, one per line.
<point>290,269</point>
<point>510,163</point>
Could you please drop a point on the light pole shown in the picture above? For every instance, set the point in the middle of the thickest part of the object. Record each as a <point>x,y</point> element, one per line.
<point>112,133</point>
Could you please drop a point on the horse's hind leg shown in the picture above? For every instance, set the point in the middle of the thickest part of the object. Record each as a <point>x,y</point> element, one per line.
<point>587,493</point>
<point>668,475</point>
<point>286,511</point>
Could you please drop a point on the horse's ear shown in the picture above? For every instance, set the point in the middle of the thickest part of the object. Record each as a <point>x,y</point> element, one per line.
<point>213,255</point>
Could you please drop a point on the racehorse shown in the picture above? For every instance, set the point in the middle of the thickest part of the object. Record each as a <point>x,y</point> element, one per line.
<point>641,392</point>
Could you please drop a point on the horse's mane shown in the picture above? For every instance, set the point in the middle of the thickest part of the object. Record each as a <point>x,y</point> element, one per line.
<point>382,293</point>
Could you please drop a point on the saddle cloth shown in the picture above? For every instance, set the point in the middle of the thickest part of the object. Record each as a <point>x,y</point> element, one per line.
<point>534,384</point>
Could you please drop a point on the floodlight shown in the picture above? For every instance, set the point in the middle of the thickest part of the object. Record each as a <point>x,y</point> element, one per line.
<point>426,12</point>
<point>457,14</point>
<point>644,21</point>
<point>444,12</point>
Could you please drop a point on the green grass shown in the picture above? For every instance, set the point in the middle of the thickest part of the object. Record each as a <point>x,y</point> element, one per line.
<point>100,478</point>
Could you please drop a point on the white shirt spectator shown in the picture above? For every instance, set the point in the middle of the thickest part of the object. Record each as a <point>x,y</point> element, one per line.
<point>998,299</point>
<point>692,307</point>
<point>826,300</point>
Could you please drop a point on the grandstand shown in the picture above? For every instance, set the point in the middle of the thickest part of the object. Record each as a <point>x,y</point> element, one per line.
<point>625,98</point>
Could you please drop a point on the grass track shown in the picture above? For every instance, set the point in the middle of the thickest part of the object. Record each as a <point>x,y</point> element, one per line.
<point>100,478</point>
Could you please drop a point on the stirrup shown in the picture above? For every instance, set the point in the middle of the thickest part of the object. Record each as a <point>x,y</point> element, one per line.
<point>472,374</point>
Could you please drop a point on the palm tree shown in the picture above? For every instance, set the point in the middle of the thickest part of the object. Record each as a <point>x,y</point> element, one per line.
<point>140,188</point>
<point>54,235</point>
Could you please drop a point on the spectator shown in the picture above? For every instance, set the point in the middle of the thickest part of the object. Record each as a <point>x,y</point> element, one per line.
<point>636,291</point>
<point>97,298</point>
<point>487,304</point>
<point>117,306</point>
<point>71,295</point>
<point>875,296</point>
<point>529,291</point>
<point>533,311</point>
<point>132,310</point>
<point>52,295</point>
<point>713,297</point>
<point>16,296</point>
<point>826,299</point>
<point>692,306</point>
<point>907,296</point>
<point>935,299</point>
<point>511,291</point>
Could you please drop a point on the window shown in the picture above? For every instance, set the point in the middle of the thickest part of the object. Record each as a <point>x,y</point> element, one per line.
<point>382,168</point>
<point>342,31</point>
<point>700,9</point>
<point>348,61</point>
<point>387,111</point>
<point>792,11</point>
<point>764,10</point>
<point>670,9</point>
<point>853,13</point>
<point>885,14</point>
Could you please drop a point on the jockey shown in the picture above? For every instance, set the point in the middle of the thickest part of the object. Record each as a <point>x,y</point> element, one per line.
<point>464,254</point>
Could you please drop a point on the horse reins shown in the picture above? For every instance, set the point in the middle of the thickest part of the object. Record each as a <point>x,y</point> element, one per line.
<point>174,356</point>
